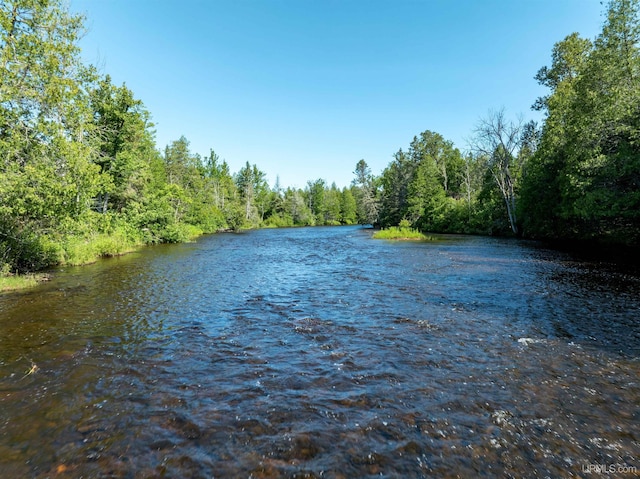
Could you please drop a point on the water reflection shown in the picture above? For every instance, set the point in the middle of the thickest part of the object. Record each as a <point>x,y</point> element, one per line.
<point>319,352</point>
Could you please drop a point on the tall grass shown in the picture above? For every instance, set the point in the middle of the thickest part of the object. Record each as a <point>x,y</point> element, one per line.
<point>16,282</point>
<point>78,250</point>
<point>401,232</point>
<point>77,243</point>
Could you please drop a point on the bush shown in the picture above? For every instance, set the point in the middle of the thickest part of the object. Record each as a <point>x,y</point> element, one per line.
<point>24,251</point>
<point>180,233</point>
<point>78,251</point>
<point>279,221</point>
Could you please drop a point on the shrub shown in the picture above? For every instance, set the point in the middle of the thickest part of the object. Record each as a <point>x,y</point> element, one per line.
<point>180,233</point>
<point>279,221</point>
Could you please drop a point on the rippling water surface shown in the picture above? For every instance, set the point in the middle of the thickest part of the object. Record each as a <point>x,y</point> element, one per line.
<point>319,352</point>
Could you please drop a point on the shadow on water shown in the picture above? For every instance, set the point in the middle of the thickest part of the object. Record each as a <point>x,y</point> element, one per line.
<point>318,352</point>
<point>592,297</point>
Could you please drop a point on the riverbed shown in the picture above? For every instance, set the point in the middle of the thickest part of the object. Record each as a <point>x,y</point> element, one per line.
<point>320,352</point>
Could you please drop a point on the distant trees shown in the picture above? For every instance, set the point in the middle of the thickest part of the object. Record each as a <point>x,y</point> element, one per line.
<point>253,189</point>
<point>575,177</point>
<point>81,176</point>
<point>425,185</point>
<point>315,193</point>
<point>348,207</point>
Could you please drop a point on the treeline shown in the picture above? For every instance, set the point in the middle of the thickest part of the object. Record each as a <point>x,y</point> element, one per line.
<point>434,187</point>
<point>575,177</point>
<point>80,173</point>
<point>82,177</point>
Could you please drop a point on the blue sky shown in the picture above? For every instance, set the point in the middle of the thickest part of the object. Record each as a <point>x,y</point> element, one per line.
<point>306,88</point>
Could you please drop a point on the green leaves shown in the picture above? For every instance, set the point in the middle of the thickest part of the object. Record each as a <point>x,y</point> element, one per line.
<point>587,169</point>
<point>419,184</point>
<point>366,194</point>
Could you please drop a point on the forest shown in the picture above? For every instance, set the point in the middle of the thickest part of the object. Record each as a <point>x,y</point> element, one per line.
<point>82,177</point>
<point>576,177</point>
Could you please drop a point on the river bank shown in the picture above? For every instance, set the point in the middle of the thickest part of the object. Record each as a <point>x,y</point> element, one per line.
<point>80,252</point>
<point>84,250</point>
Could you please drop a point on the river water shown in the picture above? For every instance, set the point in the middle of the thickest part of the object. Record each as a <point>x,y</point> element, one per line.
<point>320,352</point>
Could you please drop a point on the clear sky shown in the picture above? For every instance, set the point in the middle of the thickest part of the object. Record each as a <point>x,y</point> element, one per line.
<point>306,88</point>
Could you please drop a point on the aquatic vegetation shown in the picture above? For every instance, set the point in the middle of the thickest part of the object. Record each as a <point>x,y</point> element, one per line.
<point>401,232</point>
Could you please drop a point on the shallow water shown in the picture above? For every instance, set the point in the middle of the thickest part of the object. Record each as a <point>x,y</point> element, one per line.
<point>319,352</point>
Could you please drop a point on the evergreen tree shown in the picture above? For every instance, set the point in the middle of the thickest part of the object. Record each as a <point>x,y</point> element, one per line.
<point>125,145</point>
<point>583,181</point>
<point>366,194</point>
<point>333,203</point>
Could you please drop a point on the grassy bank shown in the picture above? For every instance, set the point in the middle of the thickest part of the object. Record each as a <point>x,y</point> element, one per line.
<point>79,251</point>
<point>74,252</point>
<point>83,247</point>
<point>69,250</point>
<point>18,282</point>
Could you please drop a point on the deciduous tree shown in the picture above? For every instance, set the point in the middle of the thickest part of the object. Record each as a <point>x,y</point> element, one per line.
<point>498,140</point>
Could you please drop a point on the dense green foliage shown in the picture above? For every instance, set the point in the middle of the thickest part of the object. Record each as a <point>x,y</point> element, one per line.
<point>81,175</point>
<point>436,188</point>
<point>575,177</point>
<point>584,179</point>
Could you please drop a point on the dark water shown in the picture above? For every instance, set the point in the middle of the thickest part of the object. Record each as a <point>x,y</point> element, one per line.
<point>320,352</point>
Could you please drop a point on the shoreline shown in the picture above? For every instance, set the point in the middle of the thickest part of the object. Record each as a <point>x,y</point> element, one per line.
<point>583,249</point>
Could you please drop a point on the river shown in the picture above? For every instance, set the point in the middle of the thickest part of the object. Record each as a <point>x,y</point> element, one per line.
<point>320,352</point>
